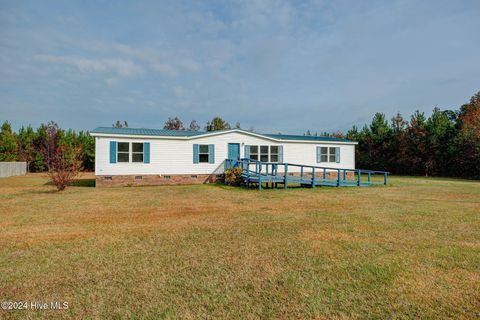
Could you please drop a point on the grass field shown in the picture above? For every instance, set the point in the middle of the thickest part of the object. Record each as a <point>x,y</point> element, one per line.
<point>409,250</point>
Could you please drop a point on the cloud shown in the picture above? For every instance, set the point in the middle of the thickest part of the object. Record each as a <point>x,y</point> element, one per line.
<point>164,69</point>
<point>120,66</point>
<point>179,91</point>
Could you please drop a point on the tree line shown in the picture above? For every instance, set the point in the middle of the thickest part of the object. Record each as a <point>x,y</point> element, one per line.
<point>445,144</point>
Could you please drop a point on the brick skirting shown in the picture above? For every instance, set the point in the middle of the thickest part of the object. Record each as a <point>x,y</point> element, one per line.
<point>156,180</point>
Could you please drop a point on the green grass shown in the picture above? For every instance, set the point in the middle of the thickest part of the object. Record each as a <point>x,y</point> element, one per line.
<point>408,250</point>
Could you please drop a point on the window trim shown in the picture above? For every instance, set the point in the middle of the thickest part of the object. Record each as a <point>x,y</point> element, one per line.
<point>136,152</point>
<point>123,152</point>
<point>328,154</point>
<point>131,152</point>
<point>203,153</point>
<point>269,153</point>
<point>256,154</point>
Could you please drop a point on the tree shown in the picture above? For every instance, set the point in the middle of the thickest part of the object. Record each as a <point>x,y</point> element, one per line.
<point>119,124</point>
<point>8,143</point>
<point>87,142</point>
<point>173,124</point>
<point>216,124</point>
<point>193,126</point>
<point>440,131</point>
<point>416,139</point>
<point>26,145</point>
<point>65,164</point>
<point>237,125</point>
<point>467,141</point>
<point>48,142</point>
<point>63,160</point>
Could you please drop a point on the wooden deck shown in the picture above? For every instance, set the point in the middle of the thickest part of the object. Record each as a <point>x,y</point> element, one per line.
<point>268,174</point>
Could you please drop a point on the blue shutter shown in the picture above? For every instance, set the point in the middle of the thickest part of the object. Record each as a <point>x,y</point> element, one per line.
<point>146,152</point>
<point>211,154</point>
<point>195,153</point>
<point>280,154</point>
<point>247,152</point>
<point>113,151</point>
<point>337,155</point>
<point>319,158</point>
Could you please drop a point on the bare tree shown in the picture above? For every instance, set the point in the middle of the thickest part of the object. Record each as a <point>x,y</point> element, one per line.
<point>193,126</point>
<point>173,124</point>
<point>119,124</point>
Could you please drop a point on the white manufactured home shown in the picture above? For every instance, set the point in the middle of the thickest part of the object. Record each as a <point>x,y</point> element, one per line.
<point>128,156</point>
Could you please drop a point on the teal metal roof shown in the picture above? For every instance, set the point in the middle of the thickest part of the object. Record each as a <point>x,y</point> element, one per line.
<point>186,133</point>
<point>306,138</point>
<point>147,132</point>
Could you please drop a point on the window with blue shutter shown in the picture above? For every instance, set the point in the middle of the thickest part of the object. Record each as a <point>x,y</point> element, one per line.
<point>113,151</point>
<point>146,152</point>
<point>195,154</point>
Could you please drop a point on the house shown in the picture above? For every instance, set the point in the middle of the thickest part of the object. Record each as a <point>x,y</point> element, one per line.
<point>128,156</point>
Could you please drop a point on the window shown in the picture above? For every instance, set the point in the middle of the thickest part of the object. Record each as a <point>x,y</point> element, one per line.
<point>203,153</point>
<point>254,152</point>
<point>323,154</point>
<point>328,154</point>
<point>137,152</point>
<point>265,153</point>
<point>273,153</point>
<point>332,154</point>
<point>123,151</point>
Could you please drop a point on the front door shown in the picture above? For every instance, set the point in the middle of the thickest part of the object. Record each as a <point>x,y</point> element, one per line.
<point>234,152</point>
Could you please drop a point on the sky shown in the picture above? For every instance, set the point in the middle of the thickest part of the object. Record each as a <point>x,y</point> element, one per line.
<point>272,65</point>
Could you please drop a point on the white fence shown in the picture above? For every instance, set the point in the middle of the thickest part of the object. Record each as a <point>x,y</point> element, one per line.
<point>8,169</point>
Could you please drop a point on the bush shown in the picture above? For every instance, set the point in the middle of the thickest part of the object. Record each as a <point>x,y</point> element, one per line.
<point>233,176</point>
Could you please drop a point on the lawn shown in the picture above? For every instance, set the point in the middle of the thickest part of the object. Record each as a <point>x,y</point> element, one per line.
<point>408,250</point>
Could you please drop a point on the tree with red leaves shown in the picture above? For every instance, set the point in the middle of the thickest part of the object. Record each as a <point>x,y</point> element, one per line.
<point>62,160</point>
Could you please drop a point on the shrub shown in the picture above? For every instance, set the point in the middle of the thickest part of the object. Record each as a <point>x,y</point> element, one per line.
<point>233,176</point>
<point>65,164</point>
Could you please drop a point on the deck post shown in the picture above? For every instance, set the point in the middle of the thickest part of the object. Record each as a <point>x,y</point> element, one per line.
<point>313,177</point>
<point>338,178</point>
<point>285,182</point>
<point>259,176</point>
<point>359,176</point>
<point>369,177</point>
<point>385,177</point>
<point>301,172</point>
<point>344,175</point>
<point>324,173</point>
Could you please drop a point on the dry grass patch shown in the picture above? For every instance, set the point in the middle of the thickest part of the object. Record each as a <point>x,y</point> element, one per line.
<point>410,250</point>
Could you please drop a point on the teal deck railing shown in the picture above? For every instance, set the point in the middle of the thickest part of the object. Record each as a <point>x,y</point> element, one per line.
<point>260,173</point>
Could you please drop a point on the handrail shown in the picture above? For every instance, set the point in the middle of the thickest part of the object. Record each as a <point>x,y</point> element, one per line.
<point>261,176</point>
<point>309,166</point>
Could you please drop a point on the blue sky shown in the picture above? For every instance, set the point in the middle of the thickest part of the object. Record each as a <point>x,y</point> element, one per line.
<point>277,66</point>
